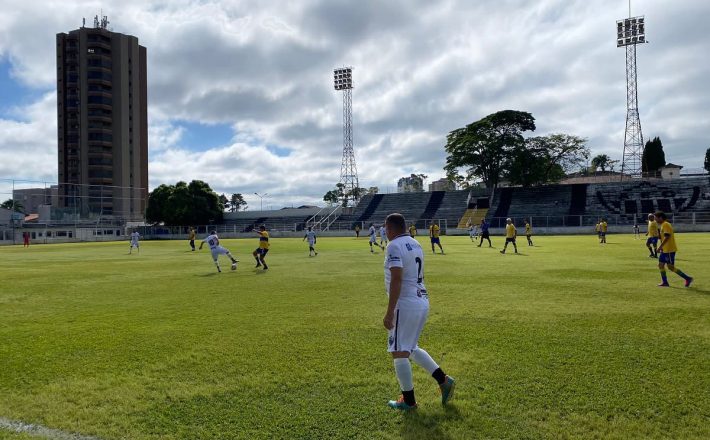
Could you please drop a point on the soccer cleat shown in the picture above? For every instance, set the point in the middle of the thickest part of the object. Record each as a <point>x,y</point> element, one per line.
<point>688,281</point>
<point>447,390</point>
<point>664,285</point>
<point>502,252</point>
<point>266,267</point>
<point>257,265</point>
<point>401,405</point>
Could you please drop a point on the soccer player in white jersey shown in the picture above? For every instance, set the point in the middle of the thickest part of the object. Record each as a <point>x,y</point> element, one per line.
<point>372,232</point>
<point>135,236</point>
<point>407,311</point>
<point>311,236</point>
<point>383,236</point>
<point>213,241</point>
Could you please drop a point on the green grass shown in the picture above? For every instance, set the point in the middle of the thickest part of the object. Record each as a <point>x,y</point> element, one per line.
<point>568,340</point>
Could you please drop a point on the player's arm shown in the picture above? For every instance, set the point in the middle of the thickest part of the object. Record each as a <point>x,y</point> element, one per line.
<point>395,289</point>
<point>664,240</point>
<point>202,243</point>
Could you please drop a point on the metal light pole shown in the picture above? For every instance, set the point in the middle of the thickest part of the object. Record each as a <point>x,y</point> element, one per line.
<point>261,200</point>
<point>343,80</point>
<point>629,33</point>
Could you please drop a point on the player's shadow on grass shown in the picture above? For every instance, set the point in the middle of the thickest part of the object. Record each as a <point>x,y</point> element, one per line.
<point>427,425</point>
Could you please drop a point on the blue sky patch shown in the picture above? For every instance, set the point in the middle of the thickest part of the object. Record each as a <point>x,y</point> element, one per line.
<point>12,92</point>
<point>203,137</point>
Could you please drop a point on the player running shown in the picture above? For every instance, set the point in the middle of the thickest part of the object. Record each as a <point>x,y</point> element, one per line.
<point>407,310</point>
<point>528,232</point>
<point>191,237</point>
<point>135,237</point>
<point>372,232</point>
<point>383,237</point>
<point>652,234</point>
<point>510,234</point>
<point>668,250</point>
<point>434,232</point>
<point>213,241</point>
<point>263,249</point>
<point>311,236</point>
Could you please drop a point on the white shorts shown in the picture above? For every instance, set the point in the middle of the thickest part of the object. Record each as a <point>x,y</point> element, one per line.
<point>408,325</point>
<point>311,243</point>
<point>217,251</point>
<point>384,238</point>
<point>134,244</point>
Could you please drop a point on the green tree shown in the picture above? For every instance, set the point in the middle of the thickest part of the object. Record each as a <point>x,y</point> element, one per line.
<point>16,205</point>
<point>331,197</point>
<point>340,195</point>
<point>546,159</point>
<point>184,204</point>
<point>237,202</point>
<point>484,148</point>
<point>224,201</point>
<point>373,190</point>
<point>706,165</point>
<point>601,161</point>
<point>653,156</point>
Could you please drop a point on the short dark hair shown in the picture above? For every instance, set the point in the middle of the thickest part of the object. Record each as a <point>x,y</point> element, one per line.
<point>262,227</point>
<point>660,214</point>
<point>397,220</point>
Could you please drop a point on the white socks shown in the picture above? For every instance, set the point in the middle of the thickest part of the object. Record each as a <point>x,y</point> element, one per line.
<point>422,358</point>
<point>404,373</point>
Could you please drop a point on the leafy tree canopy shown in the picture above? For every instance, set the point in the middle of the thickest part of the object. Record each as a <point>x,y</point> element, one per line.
<point>184,204</point>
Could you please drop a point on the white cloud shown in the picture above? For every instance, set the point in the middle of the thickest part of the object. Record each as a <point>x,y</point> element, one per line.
<point>421,70</point>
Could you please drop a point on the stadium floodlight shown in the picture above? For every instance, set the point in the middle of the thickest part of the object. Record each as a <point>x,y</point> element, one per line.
<point>261,200</point>
<point>343,81</point>
<point>343,78</point>
<point>631,32</point>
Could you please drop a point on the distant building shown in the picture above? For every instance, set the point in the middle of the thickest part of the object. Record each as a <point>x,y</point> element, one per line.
<point>32,198</point>
<point>102,112</point>
<point>413,183</point>
<point>670,171</point>
<point>442,184</point>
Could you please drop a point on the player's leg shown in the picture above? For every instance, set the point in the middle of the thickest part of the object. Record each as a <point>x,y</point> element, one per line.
<point>662,269</point>
<point>515,246</point>
<point>446,383</point>
<point>215,258</point>
<point>256,257</point>
<point>262,256</point>
<point>505,246</point>
<point>680,273</point>
<point>441,248</point>
<point>400,337</point>
<point>650,248</point>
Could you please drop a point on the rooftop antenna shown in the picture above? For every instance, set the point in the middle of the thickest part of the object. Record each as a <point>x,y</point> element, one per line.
<point>83,22</point>
<point>96,21</point>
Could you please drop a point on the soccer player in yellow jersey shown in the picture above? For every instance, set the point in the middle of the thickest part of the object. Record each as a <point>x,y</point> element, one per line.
<point>434,237</point>
<point>652,234</point>
<point>528,232</point>
<point>598,230</point>
<point>263,249</point>
<point>510,234</point>
<point>603,226</point>
<point>191,237</point>
<point>412,230</point>
<point>668,250</point>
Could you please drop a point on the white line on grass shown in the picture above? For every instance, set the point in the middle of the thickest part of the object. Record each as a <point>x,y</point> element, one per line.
<point>40,431</point>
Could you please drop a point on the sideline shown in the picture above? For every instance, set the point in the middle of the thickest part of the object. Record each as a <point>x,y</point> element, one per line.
<point>40,431</point>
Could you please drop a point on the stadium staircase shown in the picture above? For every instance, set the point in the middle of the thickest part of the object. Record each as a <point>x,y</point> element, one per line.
<point>505,197</point>
<point>453,206</point>
<point>434,204</point>
<point>472,216</point>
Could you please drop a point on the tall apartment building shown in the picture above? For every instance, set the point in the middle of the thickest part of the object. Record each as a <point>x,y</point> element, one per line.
<point>102,123</point>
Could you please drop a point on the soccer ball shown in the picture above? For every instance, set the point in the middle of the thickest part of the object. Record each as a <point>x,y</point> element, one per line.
<point>234,266</point>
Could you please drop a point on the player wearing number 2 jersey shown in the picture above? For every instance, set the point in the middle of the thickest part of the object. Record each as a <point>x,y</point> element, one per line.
<point>407,311</point>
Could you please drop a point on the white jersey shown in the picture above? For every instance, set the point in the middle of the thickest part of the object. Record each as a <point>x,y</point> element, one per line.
<point>134,237</point>
<point>383,233</point>
<point>311,236</point>
<point>212,240</point>
<point>372,233</point>
<point>406,252</point>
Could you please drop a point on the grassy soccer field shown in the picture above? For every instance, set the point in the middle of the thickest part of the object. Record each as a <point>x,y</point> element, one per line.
<point>568,340</point>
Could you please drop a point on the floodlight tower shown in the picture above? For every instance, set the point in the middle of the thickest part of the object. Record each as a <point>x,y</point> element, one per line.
<point>629,33</point>
<point>343,80</point>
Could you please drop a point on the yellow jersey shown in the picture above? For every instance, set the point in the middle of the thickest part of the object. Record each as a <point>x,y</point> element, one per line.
<point>667,232</point>
<point>528,229</point>
<point>510,231</point>
<point>652,228</point>
<point>412,230</point>
<point>603,226</point>
<point>597,227</point>
<point>263,239</point>
<point>434,231</point>
<point>192,234</point>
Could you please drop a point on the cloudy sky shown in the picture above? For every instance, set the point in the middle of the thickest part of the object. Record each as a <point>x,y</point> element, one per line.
<point>240,92</point>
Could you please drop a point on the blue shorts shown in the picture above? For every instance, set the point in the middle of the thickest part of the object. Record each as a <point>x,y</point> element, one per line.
<point>435,240</point>
<point>652,240</point>
<point>667,258</point>
<point>261,251</point>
